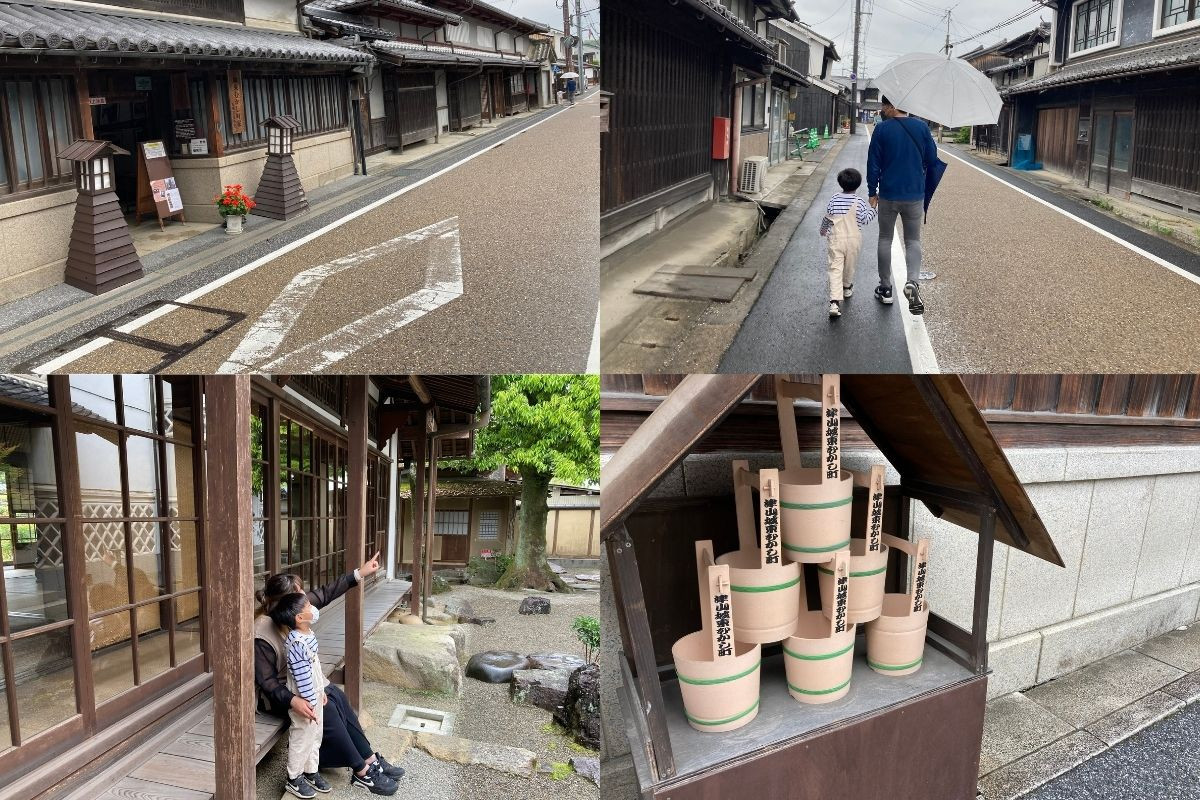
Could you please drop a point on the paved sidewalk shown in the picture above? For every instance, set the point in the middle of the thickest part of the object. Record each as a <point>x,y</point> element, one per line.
<point>1032,737</point>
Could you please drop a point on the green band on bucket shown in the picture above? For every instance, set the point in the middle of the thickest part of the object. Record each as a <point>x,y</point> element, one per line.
<point>874,665</point>
<point>845,501</point>
<point>821,657</point>
<point>864,574</point>
<point>830,549</point>
<point>819,691</point>
<point>711,681</point>
<point>776,587</point>
<point>725,721</point>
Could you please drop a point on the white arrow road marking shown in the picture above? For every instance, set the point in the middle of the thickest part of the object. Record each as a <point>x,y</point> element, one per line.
<point>443,283</point>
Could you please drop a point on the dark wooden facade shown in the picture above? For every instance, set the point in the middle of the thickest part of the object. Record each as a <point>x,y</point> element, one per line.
<point>465,100</point>
<point>669,76</point>
<point>410,105</point>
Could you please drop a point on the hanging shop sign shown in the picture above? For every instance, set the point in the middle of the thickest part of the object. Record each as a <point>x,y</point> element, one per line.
<point>833,426</point>
<point>237,102</point>
<point>142,83</point>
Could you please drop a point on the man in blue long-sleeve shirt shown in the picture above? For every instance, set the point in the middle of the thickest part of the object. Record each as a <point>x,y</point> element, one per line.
<point>900,153</point>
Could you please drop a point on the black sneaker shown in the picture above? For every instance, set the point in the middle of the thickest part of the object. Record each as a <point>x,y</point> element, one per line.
<point>374,780</point>
<point>835,309</point>
<point>883,294</point>
<point>317,782</point>
<point>391,770</point>
<point>847,292</point>
<point>913,292</point>
<point>300,787</point>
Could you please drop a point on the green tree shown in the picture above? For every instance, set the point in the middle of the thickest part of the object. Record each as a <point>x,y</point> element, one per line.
<point>544,427</point>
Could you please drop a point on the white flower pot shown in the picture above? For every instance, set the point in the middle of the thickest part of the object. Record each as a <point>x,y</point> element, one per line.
<point>233,223</point>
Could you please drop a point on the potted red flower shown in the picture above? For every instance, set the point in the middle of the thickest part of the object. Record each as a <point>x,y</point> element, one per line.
<point>233,204</point>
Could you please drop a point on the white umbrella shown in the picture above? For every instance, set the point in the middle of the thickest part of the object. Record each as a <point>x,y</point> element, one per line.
<point>569,75</point>
<point>945,90</point>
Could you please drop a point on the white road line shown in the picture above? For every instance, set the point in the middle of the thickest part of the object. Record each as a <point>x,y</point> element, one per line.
<point>593,362</point>
<point>129,327</point>
<point>1162,262</point>
<point>443,283</point>
<point>920,350</point>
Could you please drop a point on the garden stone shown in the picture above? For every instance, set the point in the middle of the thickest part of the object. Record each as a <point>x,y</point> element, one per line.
<point>564,661</point>
<point>495,666</point>
<point>555,568</point>
<point>587,767</point>
<point>544,688</point>
<point>534,605</point>
<point>580,714</point>
<point>513,760</point>
<point>422,657</point>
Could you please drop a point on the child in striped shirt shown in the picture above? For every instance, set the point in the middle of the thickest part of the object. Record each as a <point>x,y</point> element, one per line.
<point>295,615</point>
<point>845,215</point>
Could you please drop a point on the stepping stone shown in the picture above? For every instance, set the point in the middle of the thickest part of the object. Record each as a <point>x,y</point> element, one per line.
<point>423,657</point>
<point>564,661</point>
<point>544,688</point>
<point>495,666</point>
<point>502,758</point>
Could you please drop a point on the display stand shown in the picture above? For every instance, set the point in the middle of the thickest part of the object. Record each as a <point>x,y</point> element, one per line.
<point>909,736</point>
<point>157,190</point>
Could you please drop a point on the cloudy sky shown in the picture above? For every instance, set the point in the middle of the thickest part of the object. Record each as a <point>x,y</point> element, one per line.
<point>550,11</point>
<point>895,27</point>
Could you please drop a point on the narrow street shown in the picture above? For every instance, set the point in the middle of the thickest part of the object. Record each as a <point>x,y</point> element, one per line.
<point>440,259</point>
<point>1160,762</point>
<point>1027,281</point>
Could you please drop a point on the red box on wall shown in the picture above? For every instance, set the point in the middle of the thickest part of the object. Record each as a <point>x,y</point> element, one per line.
<point>721,129</point>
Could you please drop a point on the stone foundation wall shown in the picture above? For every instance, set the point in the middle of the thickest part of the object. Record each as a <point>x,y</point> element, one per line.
<point>34,234</point>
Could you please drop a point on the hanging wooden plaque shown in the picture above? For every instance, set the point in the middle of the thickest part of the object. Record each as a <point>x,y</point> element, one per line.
<point>237,102</point>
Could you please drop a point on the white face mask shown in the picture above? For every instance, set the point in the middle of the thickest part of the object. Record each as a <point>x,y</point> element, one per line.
<point>316,614</point>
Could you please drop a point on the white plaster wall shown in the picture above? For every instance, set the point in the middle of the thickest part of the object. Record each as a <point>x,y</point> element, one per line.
<point>505,41</point>
<point>443,101</point>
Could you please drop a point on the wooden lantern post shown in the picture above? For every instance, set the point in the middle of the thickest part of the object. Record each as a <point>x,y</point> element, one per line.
<point>101,255</point>
<point>280,194</point>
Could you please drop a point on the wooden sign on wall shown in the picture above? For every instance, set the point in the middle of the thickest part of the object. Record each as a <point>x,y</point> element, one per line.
<point>157,191</point>
<point>237,102</point>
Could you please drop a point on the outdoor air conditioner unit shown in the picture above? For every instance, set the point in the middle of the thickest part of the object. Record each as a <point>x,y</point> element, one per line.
<point>754,169</point>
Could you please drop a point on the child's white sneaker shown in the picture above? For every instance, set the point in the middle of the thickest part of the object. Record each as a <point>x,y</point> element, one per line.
<point>835,309</point>
<point>848,292</point>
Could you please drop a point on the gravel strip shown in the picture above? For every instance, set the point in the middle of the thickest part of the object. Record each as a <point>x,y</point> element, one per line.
<point>485,713</point>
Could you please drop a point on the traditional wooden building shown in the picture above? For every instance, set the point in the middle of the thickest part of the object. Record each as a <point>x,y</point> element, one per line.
<point>819,102</point>
<point>197,77</point>
<point>1007,63</point>
<point>693,85</point>
<point>1120,109</point>
<point>139,515</point>
<point>443,64</point>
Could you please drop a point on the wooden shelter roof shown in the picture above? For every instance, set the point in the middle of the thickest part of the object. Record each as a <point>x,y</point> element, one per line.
<point>87,149</point>
<point>927,426</point>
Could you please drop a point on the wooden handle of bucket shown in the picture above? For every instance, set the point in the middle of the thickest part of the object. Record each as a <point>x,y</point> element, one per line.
<point>920,569</point>
<point>841,591</point>
<point>903,545</point>
<point>715,609</point>
<point>786,410</point>
<point>768,494</point>
<point>875,510</point>
<point>744,498</point>
<point>831,428</point>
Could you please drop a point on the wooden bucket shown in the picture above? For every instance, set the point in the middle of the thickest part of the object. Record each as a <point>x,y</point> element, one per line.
<point>819,655</point>
<point>765,590</point>
<point>868,562</point>
<point>816,502</point>
<point>718,676</point>
<point>896,639</point>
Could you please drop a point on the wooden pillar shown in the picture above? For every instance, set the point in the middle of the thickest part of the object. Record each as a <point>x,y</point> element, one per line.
<point>418,536</point>
<point>216,145</point>
<point>83,96</point>
<point>427,581</point>
<point>356,531</point>
<point>230,582</point>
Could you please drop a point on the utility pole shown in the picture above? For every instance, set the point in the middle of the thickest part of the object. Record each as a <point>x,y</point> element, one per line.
<point>947,47</point>
<point>854,69</point>
<point>579,32</point>
<point>566,4</point>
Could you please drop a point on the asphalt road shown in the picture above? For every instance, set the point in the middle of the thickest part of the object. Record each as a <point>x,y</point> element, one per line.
<point>1020,287</point>
<point>789,328</point>
<point>1160,762</point>
<point>519,221</point>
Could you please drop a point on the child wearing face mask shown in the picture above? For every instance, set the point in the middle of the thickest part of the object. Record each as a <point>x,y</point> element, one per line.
<point>296,615</point>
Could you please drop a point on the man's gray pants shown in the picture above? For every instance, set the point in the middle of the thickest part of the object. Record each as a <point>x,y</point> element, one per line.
<point>910,214</point>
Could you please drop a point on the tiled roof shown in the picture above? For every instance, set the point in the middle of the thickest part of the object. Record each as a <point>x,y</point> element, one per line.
<point>346,23</point>
<point>470,487</point>
<point>732,22</point>
<point>1154,58</point>
<point>438,53</point>
<point>65,31</point>
<point>410,6</point>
